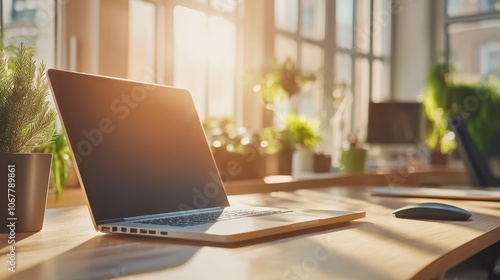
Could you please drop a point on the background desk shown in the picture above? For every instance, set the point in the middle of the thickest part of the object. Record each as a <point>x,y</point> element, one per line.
<point>377,247</point>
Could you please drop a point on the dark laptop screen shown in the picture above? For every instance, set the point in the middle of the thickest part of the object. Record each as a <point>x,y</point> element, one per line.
<point>140,148</point>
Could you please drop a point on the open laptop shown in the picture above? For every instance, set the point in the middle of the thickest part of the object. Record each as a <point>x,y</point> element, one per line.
<point>147,169</point>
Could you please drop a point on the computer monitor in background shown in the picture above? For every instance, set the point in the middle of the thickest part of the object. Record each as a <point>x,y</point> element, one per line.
<point>475,162</point>
<point>394,123</point>
<point>394,132</point>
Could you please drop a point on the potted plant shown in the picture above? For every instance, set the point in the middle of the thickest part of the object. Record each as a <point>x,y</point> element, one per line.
<point>282,81</point>
<point>436,104</point>
<point>26,122</point>
<point>354,157</point>
<point>475,100</point>
<point>236,150</point>
<point>322,163</point>
<point>299,135</point>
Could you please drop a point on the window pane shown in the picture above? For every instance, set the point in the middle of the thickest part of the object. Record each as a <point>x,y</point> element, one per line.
<point>343,68</point>
<point>362,28</point>
<point>474,47</point>
<point>469,7</point>
<point>286,14</point>
<point>32,22</point>
<point>190,31</point>
<point>310,101</point>
<point>490,59</point>
<point>224,6</point>
<point>380,81</point>
<point>361,96</point>
<point>313,19</point>
<point>344,14</point>
<point>284,48</point>
<point>381,27</point>
<point>342,112</point>
<point>222,67</point>
<point>312,58</point>
<point>142,41</point>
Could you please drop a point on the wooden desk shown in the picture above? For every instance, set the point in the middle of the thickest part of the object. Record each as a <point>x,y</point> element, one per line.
<point>377,247</point>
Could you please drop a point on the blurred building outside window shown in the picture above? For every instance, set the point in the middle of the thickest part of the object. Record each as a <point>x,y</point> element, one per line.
<point>32,22</point>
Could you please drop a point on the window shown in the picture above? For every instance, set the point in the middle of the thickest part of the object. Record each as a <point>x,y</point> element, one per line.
<point>32,22</point>
<point>300,36</point>
<point>457,8</point>
<point>196,46</point>
<point>142,41</point>
<point>356,68</point>
<point>472,31</point>
<point>198,40</point>
<point>363,54</point>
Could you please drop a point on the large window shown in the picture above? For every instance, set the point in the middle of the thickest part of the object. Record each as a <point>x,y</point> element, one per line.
<point>362,58</point>
<point>349,41</point>
<point>300,36</point>
<point>472,31</point>
<point>198,42</point>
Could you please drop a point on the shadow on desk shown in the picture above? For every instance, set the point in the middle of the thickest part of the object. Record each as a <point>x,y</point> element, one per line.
<point>116,256</point>
<point>4,238</point>
<point>104,257</point>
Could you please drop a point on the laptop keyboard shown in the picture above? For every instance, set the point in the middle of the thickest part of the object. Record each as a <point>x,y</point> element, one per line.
<point>210,217</point>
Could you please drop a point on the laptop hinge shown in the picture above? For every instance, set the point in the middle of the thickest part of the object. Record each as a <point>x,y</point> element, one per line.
<point>110,221</point>
<point>179,213</point>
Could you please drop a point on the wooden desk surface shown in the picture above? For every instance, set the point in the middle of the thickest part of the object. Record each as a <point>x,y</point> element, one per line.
<point>377,247</point>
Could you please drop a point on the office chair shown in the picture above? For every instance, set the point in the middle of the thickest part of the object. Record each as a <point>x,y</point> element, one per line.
<point>477,165</point>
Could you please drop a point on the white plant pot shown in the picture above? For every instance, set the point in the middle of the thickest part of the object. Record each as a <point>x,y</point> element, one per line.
<point>302,162</point>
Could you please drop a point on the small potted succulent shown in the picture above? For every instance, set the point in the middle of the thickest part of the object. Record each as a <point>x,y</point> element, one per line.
<point>26,122</point>
<point>354,157</point>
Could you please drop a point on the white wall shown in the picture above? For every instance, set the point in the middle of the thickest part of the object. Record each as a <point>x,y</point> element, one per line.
<point>411,48</point>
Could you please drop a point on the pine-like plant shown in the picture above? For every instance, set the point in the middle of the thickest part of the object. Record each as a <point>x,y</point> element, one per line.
<point>26,119</point>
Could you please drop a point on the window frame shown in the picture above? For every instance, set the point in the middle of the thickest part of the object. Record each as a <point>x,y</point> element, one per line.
<point>330,50</point>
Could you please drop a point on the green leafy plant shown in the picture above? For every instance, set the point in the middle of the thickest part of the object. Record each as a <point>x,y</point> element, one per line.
<point>298,132</point>
<point>26,119</point>
<point>436,103</point>
<point>476,101</point>
<point>60,161</point>
<point>478,105</point>
<point>283,80</point>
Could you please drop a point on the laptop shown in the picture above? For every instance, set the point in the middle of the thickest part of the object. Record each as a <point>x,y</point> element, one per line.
<point>146,167</point>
